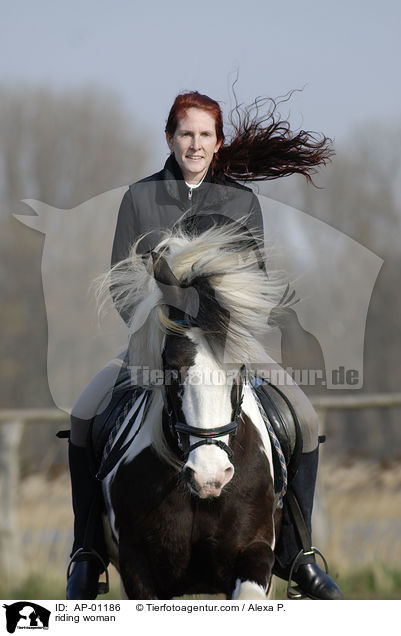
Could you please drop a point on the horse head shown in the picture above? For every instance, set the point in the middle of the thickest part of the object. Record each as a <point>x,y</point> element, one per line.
<point>199,396</point>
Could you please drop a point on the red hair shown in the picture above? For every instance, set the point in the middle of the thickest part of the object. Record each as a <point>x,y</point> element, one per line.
<point>194,100</point>
<point>263,146</point>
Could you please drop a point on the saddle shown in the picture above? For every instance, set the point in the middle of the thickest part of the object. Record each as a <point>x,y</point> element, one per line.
<point>285,434</point>
<point>285,424</point>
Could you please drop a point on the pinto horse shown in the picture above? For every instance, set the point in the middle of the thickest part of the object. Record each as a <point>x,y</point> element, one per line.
<point>190,503</point>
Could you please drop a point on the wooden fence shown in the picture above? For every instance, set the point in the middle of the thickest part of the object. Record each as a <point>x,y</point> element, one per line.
<point>11,429</point>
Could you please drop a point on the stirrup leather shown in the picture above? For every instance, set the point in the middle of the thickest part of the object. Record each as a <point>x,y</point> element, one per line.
<point>293,591</point>
<point>103,587</point>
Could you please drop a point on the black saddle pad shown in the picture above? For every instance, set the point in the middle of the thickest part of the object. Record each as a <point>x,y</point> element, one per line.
<point>284,421</point>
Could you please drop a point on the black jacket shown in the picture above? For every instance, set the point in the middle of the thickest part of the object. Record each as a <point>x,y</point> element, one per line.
<point>159,201</point>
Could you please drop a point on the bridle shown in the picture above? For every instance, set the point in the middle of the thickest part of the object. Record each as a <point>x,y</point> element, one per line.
<point>181,431</point>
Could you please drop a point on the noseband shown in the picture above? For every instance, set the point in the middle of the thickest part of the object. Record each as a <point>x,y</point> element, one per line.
<point>182,431</point>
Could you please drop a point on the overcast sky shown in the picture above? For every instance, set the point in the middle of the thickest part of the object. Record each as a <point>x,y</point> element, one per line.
<point>344,54</point>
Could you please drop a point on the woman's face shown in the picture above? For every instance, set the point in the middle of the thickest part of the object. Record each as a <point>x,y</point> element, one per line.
<point>194,143</point>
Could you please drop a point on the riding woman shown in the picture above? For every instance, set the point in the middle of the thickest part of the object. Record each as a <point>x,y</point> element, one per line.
<point>197,186</point>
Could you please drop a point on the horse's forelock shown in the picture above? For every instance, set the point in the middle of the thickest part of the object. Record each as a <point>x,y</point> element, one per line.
<point>219,259</point>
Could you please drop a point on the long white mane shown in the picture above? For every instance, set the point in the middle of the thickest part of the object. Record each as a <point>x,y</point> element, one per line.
<point>222,255</point>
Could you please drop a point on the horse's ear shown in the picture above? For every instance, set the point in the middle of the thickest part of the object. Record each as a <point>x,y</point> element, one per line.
<point>162,271</point>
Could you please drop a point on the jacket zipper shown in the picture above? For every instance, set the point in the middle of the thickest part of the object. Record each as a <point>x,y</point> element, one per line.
<point>188,211</point>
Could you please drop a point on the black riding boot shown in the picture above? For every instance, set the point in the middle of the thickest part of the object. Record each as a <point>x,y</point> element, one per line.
<point>291,550</point>
<point>88,556</point>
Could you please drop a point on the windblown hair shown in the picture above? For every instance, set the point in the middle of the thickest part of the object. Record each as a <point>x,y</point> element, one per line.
<point>262,146</point>
<point>219,259</point>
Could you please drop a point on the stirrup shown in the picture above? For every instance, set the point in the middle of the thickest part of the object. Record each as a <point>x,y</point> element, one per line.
<point>294,592</point>
<point>103,587</point>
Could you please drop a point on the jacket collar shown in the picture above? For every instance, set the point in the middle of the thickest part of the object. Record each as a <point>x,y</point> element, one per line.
<point>178,190</point>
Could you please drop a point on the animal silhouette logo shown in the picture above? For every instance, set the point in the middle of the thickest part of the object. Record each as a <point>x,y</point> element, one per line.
<point>332,274</point>
<point>26,615</point>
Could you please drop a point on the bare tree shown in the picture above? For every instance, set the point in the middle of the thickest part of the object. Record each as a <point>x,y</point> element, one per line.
<point>360,195</point>
<point>64,148</point>
<point>60,148</point>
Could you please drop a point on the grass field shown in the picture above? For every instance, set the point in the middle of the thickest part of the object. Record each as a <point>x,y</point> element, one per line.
<point>370,583</point>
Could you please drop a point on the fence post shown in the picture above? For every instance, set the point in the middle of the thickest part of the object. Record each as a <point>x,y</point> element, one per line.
<point>10,540</point>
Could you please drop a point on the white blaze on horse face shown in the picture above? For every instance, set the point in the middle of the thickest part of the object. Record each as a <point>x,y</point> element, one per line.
<point>206,403</point>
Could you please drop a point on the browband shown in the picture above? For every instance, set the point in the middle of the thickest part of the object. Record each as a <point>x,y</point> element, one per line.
<point>209,432</point>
